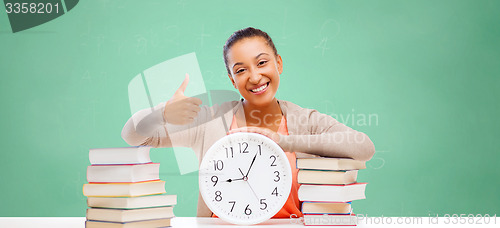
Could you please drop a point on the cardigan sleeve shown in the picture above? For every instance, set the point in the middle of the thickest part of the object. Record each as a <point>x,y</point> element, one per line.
<point>322,135</point>
<point>148,127</point>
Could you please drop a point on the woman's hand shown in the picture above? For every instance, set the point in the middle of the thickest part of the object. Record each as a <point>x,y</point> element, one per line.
<point>180,109</point>
<point>263,131</point>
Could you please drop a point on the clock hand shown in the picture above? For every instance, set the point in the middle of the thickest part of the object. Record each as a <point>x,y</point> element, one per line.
<point>255,194</point>
<point>241,173</point>
<point>231,180</point>
<point>253,160</point>
<point>243,178</point>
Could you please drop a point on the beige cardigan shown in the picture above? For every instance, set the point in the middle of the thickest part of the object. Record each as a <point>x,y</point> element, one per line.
<point>309,131</point>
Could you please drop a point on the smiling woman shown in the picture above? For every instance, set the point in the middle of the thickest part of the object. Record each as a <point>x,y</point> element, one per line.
<point>254,68</point>
<point>255,72</point>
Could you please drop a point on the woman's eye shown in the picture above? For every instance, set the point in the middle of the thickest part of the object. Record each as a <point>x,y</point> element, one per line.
<point>262,63</point>
<point>240,70</point>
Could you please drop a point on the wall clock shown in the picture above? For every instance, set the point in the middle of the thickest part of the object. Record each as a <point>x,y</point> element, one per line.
<point>245,178</point>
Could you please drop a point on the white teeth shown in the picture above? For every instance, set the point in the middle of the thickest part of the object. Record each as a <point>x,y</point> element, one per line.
<point>260,88</point>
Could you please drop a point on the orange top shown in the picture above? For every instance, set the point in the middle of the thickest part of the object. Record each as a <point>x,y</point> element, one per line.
<point>292,204</point>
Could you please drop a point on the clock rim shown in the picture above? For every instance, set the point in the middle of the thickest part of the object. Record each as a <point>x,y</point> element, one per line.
<point>242,221</point>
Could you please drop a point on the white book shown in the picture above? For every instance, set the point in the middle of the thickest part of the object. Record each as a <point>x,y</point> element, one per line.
<point>326,207</point>
<point>332,193</point>
<point>117,215</point>
<point>322,163</point>
<point>120,155</point>
<point>123,173</point>
<point>132,202</point>
<point>124,189</point>
<point>305,176</point>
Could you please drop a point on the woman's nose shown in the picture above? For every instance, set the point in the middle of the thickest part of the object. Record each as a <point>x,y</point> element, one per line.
<point>255,77</point>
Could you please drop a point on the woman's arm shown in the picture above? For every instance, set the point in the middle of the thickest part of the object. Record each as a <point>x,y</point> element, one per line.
<point>322,135</point>
<point>331,145</point>
<point>319,134</point>
<point>171,123</point>
<point>148,127</point>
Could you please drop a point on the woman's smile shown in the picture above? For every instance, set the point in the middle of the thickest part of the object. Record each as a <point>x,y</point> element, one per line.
<point>260,89</point>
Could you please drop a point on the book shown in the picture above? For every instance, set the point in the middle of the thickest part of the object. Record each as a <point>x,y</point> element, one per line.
<point>321,163</point>
<point>120,155</point>
<point>124,189</point>
<point>132,202</point>
<point>326,207</point>
<point>326,177</point>
<point>332,193</point>
<point>139,224</point>
<point>330,220</point>
<point>123,173</point>
<point>119,215</point>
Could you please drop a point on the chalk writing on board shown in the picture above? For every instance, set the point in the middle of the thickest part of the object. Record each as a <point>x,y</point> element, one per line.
<point>282,40</point>
<point>141,44</point>
<point>203,35</point>
<point>172,34</point>
<point>329,30</point>
<point>377,162</point>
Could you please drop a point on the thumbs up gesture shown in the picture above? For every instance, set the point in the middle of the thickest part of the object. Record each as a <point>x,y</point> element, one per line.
<point>180,109</point>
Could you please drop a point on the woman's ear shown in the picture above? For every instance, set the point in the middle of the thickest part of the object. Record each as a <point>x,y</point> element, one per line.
<point>232,80</point>
<point>279,63</point>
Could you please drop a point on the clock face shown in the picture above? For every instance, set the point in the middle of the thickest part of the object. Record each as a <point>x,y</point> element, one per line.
<point>245,178</point>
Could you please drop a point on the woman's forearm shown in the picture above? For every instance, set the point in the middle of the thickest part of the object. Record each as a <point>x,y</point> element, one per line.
<point>146,128</point>
<point>344,144</point>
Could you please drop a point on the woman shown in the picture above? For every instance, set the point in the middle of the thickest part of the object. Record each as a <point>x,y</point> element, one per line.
<point>254,68</point>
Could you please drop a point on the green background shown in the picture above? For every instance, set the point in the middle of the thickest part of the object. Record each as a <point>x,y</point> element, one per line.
<point>428,70</point>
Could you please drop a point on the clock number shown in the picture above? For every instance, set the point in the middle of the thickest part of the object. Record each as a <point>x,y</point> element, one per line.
<point>248,211</point>
<point>233,202</point>
<point>277,175</point>
<point>215,179</point>
<point>263,203</point>
<point>274,160</point>
<point>227,152</point>
<point>218,196</point>
<point>245,151</point>
<point>275,191</point>
<point>260,150</point>
<point>218,165</point>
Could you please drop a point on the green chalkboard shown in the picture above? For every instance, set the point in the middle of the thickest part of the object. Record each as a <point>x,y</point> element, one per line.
<point>421,78</point>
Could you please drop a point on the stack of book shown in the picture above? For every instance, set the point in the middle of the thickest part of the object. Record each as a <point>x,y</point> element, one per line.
<point>125,190</point>
<point>328,185</point>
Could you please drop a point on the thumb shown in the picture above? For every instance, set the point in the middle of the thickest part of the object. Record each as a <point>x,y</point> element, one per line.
<point>183,86</point>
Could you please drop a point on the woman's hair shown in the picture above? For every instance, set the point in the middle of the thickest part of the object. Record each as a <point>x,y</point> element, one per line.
<point>246,33</point>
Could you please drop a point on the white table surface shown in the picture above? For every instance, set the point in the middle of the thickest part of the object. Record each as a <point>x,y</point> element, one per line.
<point>193,222</point>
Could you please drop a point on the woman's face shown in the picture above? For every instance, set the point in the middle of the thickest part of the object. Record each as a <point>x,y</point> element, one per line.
<point>255,70</point>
